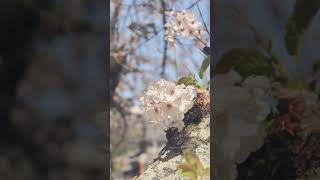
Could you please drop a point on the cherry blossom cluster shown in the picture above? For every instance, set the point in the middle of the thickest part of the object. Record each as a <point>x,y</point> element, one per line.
<point>182,23</point>
<point>240,106</point>
<point>165,102</point>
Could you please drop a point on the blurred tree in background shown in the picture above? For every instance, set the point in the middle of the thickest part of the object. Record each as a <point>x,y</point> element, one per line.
<point>52,64</point>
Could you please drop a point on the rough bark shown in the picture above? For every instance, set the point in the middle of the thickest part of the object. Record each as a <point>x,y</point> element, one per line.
<point>194,137</point>
<point>287,157</point>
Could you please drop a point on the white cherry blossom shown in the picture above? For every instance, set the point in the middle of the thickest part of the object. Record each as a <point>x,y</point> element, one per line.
<point>240,106</point>
<point>165,102</point>
<point>182,23</point>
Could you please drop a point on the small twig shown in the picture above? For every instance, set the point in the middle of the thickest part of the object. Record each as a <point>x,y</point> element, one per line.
<point>165,48</point>
<point>148,39</point>
<point>203,22</point>
<point>198,38</point>
<point>127,15</point>
<point>114,19</point>
<point>126,66</point>
<point>125,124</point>
<point>192,5</point>
<point>262,43</point>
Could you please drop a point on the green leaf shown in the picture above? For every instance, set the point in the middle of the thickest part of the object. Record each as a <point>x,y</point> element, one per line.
<point>193,160</point>
<point>188,81</point>
<point>151,25</point>
<point>206,172</point>
<point>185,167</point>
<point>263,43</point>
<point>187,170</point>
<point>298,22</point>
<point>133,26</point>
<point>245,61</point>
<point>295,84</point>
<point>135,177</point>
<point>192,175</point>
<point>316,68</point>
<point>269,125</point>
<point>205,64</point>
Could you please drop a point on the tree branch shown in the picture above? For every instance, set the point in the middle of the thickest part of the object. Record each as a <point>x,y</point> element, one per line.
<point>165,47</point>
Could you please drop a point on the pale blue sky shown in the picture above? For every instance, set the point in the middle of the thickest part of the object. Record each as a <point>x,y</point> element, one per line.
<point>153,48</point>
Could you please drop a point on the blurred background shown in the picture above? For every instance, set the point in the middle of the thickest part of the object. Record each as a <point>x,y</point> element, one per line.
<point>52,88</point>
<point>269,17</point>
<point>139,55</point>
